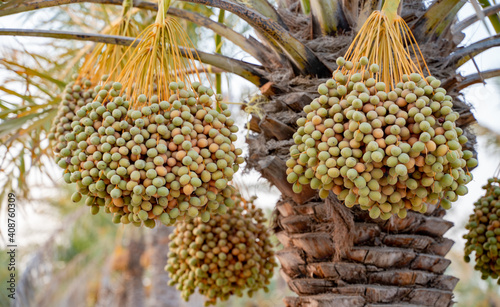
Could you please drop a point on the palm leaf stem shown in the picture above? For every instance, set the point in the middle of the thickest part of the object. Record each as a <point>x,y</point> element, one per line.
<point>462,25</point>
<point>477,78</point>
<point>304,59</point>
<point>464,54</point>
<point>437,19</point>
<point>251,72</point>
<point>254,48</point>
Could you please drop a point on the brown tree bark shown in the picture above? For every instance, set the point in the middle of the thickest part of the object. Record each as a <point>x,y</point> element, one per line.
<point>161,294</point>
<point>134,287</point>
<point>334,256</point>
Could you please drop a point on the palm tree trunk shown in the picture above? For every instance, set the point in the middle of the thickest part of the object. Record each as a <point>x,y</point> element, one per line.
<point>161,294</point>
<point>134,287</point>
<point>334,256</point>
<point>121,282</point>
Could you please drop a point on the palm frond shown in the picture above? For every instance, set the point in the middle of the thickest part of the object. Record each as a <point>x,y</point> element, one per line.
<point>494,18</point>
<point>302,58</point>
<point>467,22</point>
<point>476,78</point>
<point>251,72</point>
<point>437,20</point>
<point>328,17</point>
<point>492,136</point>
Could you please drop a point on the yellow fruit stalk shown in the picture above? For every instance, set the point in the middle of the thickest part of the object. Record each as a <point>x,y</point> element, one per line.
<point>381,135</point>
<point>154,146</point>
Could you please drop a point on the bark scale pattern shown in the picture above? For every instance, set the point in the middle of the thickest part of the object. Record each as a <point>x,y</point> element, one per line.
<point>399,262</point>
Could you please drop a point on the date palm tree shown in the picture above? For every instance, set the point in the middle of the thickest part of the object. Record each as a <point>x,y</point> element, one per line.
<point>332,256</point>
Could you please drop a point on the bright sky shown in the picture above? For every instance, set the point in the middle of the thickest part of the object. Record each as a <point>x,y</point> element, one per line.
<point>484,99</point>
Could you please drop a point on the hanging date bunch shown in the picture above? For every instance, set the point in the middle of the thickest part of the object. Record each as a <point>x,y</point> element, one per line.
<point>103,60</point>
<point>154,145</point>
<point>381,135</point>
<point>483,235</point>
<point>230,255</point>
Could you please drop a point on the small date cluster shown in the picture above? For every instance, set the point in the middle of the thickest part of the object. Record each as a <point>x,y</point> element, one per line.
<point>229,255</point>
<point>483,235</point>
<point>148,160</point>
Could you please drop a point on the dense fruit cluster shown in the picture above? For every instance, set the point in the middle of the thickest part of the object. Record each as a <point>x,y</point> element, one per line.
<point>484,231</point>
<point>165,160</point>
<point>230,254</point>
<point>76,94</point>
<point>386,151</point>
